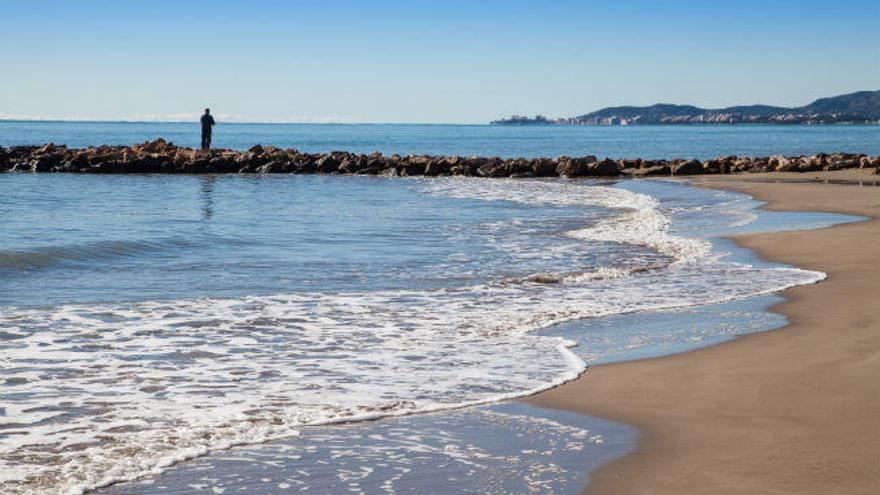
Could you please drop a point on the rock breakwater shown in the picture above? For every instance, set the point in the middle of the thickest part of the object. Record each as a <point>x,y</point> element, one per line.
<point>161,157</point>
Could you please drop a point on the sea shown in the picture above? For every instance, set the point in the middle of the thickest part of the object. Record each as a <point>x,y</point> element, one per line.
<point>171,334</point>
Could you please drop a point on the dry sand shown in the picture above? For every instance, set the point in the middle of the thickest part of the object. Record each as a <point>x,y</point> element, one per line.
<point>793,411</point>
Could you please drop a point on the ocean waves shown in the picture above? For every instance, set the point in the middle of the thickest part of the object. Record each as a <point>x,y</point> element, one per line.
<point>47,256</point>
<point>94,394</point>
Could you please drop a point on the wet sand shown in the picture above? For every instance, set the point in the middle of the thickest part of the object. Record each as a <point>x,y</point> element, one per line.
<point>791,411</point>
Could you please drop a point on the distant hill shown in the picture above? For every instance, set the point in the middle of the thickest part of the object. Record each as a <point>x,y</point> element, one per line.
<point>860,107</point>
<point>866,103</point>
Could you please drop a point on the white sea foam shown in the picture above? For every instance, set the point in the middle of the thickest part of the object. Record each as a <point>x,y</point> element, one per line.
<point>639,222</point>
<point>111,392</point>
<point>458,449</point>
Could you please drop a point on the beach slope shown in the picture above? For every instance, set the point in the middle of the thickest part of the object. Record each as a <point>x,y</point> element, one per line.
<point>792,411</point>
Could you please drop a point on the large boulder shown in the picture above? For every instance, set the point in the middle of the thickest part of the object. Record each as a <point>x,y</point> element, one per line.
<point>655,170</point>
<point>327,164</point>
<point>543,167</point>
<point>605,168</point>
<point>374,165</point>
<point>353,164</point>
<point>272,167</point>
<point>46,149</point>
<point>575,167</point>
<point>413,165</point>
<point>181,156</point>
<point>872,162</point>
<point>439,166</point>
<point>746,164</point>
<point>493,167</point>
<point>519,167</point>
<point>200,165</point>
<point>625,164</point>
<point>468,166</point>
<point>806,164</point>
<point>781,163</point>
<point>690,167</point>
<point>842,163</point>
<point>224,164</point>
<point>43,163</point>
<point>713,165</point>
<point>155,146</point>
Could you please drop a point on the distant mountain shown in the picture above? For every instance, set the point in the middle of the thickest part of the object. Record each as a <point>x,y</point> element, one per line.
<point>866,103</point>
<point>860,107</point>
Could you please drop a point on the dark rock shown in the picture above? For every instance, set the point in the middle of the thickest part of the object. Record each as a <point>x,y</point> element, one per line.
<point>272,167</point>
<point>468,166</point>
<point>655,170</point>
<point>544,167</point>
<point>43,163</point>
<point>438,166</point>
<point>519,167</point>
<point>713,166</point>
<point>201,165</point>
<point>625,164</point>
<point>690,167</point>
<point>306,165</point>
<point>46,149</point>
<point>840,164</point>
<point>413,165</point>
<point>522,175</point>
<point>781,163</point>
<point>352,165</point>
<point>221,165</point>
<point>156,146</point>
<point>372,166</point>
<point>575,167</point>
<point>77,162</point>
<point>4,160</point>
<point>605,168</point>
<point>748,164</point>
<point>327,165</point>
<point>493,167</point>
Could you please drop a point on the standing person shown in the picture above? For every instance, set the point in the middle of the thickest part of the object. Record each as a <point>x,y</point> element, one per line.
<point>207,124</point>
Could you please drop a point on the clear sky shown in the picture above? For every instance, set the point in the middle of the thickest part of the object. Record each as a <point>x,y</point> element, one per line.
<point>444,61</point>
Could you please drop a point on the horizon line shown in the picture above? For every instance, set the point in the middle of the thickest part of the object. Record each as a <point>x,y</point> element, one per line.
<point>237,122</point>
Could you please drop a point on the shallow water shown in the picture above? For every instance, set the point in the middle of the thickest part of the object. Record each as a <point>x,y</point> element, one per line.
<point>146,320</point>
<point>500,449</point>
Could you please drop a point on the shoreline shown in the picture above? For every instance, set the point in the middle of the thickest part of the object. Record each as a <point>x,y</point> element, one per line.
<point>747,416</point>
<point>747,182</point>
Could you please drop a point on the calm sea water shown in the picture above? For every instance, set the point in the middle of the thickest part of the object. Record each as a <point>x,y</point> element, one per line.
<point>506,141</point>
<point>146,320</point>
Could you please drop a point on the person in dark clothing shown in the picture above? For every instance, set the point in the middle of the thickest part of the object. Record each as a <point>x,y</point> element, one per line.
<point>207,124</point>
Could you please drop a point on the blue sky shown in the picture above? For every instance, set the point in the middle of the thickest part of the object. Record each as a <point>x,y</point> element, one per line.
<point>424,61</point>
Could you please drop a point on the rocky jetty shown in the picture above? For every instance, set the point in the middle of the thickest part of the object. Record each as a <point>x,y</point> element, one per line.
<point>161,157</point>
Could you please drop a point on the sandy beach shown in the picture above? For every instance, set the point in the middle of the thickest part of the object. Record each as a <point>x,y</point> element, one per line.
<point>792,411</point>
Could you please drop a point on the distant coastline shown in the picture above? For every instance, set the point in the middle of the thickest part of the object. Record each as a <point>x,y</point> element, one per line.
<point>862,107</point>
